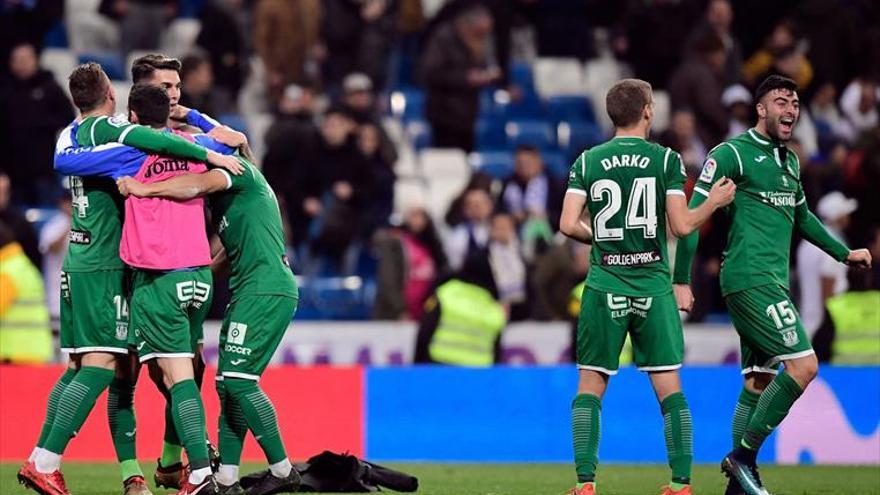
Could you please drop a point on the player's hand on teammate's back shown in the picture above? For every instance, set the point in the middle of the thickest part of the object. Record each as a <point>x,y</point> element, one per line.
<point>227,136</point>
<point>228,162</point>
<point>129,186</point>
<point>859,258</point>
<point>684,298</point>
<point>722,193</point>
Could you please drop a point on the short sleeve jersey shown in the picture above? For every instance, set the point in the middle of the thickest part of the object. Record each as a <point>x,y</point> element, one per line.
<point>626,181</point>
<point>248,221</point>
<point>762,215</point>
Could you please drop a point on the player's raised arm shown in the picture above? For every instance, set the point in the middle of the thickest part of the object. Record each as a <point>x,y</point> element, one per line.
<point>571,221</point>
<point>179,188</point>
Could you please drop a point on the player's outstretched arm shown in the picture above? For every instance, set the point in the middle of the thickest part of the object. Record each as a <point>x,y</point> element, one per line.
<point>571,222</point>
<point>180,188</point>
<point>213,128</point>
<point>683,221</point>
<point>812,229</point>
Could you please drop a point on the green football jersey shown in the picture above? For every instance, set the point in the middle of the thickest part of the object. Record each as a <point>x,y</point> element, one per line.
<point>248,221</point>
<point>626,181</point>
<point>762,215</point>
<point>98,209</point>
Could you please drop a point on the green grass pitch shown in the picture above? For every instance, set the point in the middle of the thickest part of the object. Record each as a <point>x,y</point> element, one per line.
<point>532,479</point>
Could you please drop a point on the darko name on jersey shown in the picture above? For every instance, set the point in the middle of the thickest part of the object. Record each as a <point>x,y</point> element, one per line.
<point>631,259</point>
<point>166,165</point>
<point>625,161</point>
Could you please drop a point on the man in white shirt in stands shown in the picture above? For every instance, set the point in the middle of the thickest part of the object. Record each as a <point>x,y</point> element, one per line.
<point>819,275</point>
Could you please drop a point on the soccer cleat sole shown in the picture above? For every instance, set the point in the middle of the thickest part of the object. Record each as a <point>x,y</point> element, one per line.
<point>28,484</point>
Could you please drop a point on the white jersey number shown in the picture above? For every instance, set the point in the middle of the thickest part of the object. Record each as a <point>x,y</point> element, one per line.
<point>641,210</point>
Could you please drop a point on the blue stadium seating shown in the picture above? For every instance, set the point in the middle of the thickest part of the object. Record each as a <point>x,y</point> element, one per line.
<point>110,62</point>
<point>233,120</point>
<point>56,37</point>
<point>537,133</point>
<point>191,8</point>
<point>556,163</point>
<point>336,298</point>
<point>419,133</point>
<point>414,104</point>
<point>496,164</point>
<point>520,74</point>
<point>570,108</point>
<point>582,135</point>
<point>490,132</point>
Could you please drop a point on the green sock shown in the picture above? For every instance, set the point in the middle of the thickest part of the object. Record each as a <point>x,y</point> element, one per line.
<point>52,404</point>
<point>130,468</point>
<point>260,416</point>
<point>75,404</point>
<point>189,420</point>
<point>678,486</point>
<point>123,428</point>
<point>586,424</point>
<point>172,453</point>
<point>233,428</point>
<point>678,430</point>
<point>745,408</point>
<point>772,408</point>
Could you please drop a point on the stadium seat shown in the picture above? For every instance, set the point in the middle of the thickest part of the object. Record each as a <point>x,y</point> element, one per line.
<point>408,192</point>
<point>179,38</point>
<point>56,37</point>
<point>60,62</point>
<point>234,120</point>
<point>418,131</point>
<point>121,88</point>
<point>662,111</point>
<point>90,32</point>
<point>444,162</point>
<point>258,124</point>
<point>556,163</point>
<point>570,107</point>
<point>558,76</point>
<point>191,8</point>
<point>490,132</point>
<point>520,74</point>
<point>408,104</point>
<point>336,298</point>
<point>110,62</point>
<point>599,75</point>
<point>496,164</point>
<point>576,136</point>
<point>537,133</point>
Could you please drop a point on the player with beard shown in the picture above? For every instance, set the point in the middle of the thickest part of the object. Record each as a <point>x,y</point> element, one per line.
<point>769,207</point>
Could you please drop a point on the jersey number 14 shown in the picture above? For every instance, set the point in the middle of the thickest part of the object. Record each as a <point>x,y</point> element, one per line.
<point>641,209</point>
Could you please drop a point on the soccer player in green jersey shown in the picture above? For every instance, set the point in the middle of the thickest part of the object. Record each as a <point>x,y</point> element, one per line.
<point>630,187</point>
<point>264,298</point>
<point>769,206</point>
<point>94,319</point>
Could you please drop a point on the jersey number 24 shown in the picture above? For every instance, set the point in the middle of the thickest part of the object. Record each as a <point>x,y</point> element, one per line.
<point>641,209</point>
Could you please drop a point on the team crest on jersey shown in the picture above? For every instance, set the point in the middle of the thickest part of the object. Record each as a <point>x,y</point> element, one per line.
<point>118,120</point>
<point>709,170</point>
<point>790,337</point>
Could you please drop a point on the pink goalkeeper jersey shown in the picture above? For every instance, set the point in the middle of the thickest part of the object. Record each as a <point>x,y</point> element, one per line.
<point>163,234</point>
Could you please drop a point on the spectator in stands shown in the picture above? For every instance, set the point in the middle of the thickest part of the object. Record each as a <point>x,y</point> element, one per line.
<point>682,137</point>
<point>381,204</point>
<point>557,271</point>
<point>471,237</point>
<point>198,91</point>
<point>697,85</point>
<point>32,110</point>
<point>357,35</point>
<point>26,22</point>
<point>532,198</point>
<point>783,41</point>
<point>359,100</point>
<point>141,22</point>
<point>820,276</point>
<point>454,67</point>
<point>859,104</point>
<point>718,19</point>
<point>25,334</point>
<point>411,260</point>
<point>286,39</point>
<point>53,246</point>
<point>21,229</point>
<point>508,266</point>
<point>463,320</point>
<point>222,39</point>
<point>823,106</point>
<point>737,100</point>
<point>455,213</point>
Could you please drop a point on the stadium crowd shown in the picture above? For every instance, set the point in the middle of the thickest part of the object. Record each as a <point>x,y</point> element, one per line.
<point>346,101</point>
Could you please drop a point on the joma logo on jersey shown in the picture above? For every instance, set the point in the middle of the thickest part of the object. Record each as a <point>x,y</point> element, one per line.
<point>223,225</point>
<point>625,161</point>
<point>778,198</point>
<point>193,293</point>
<point>236,333</point>
<point>166,165</point>
<point>621,306</point>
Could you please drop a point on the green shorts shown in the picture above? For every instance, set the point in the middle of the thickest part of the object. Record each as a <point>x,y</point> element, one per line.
<point>167,311</point>
<point>652,323</point>
<point>252,329</point>
<point>94,312</point>
<point>769,328</point>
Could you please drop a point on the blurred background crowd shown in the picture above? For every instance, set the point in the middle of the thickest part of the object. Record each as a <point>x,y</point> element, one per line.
<point>412,140</point>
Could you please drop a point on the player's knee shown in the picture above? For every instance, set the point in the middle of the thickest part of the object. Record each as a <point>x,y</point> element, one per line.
<point>803,370</point>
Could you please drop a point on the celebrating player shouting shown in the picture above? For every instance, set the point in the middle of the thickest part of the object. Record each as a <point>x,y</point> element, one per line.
<point>769,206</point>
<point>630,187</point>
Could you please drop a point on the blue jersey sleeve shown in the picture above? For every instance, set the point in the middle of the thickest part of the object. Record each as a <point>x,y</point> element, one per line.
<point>203,122</point>
<point>107,160</point>
<point>213,145</point>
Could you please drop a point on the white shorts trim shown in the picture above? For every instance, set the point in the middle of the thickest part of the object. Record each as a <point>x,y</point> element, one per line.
<point>759,369</point>
<point>786,357</point>
<point>112,350</point>
<point>576,191</point>
<point>66,350</point>
<point>666,367</point>
<point>154,355</point>
<point>597,368</point>
<point>236,374</point>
